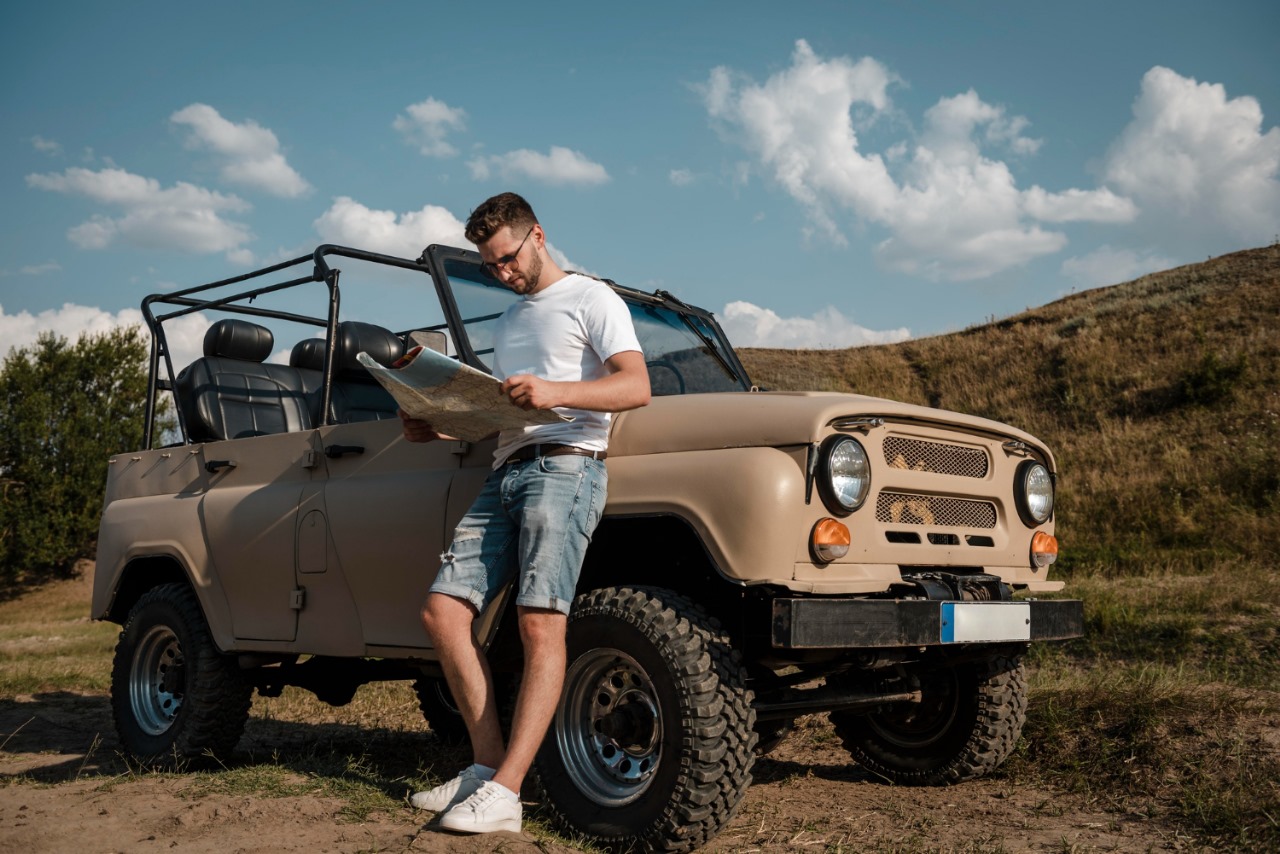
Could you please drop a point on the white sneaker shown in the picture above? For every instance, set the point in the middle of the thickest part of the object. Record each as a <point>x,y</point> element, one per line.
<point>453,791</point>
<point>491,807</point>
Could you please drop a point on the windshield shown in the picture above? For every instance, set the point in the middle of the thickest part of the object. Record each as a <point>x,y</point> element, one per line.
<point>678,359</point>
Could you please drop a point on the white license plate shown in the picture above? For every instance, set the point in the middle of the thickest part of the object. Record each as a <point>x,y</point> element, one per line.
<point>972,622</point>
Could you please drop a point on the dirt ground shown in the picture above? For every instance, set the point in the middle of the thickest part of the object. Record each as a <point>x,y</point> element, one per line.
<point>64,788</point>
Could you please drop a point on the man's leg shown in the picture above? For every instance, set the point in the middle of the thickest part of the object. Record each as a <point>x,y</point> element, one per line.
<point>543,633</point>
<point>448,621</point>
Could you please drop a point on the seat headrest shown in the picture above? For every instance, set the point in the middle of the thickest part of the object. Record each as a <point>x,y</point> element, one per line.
<point>355,337</point>
<point>238,339</point>
<point>308,353</point>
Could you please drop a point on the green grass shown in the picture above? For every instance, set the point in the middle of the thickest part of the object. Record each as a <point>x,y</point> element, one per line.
<point>1158,741</point>
<point>48,642</point>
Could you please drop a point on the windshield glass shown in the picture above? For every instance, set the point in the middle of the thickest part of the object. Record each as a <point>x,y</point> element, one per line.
<point>679,362</point>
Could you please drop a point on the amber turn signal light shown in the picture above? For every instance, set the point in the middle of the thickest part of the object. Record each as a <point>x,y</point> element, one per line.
<point>829,540</point>
<point>1044,549</point>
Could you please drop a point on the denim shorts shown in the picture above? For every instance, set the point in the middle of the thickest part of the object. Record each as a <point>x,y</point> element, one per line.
<point>532,522</point>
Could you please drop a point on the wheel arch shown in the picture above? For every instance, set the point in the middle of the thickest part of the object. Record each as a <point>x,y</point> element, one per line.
<point>660,550</point>
<point>146,572</point>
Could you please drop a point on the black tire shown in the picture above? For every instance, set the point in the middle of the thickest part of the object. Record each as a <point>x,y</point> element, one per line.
<point>652,744</point>
<point>175,698</point>
<point>965,727</point>
<point>439,710</point>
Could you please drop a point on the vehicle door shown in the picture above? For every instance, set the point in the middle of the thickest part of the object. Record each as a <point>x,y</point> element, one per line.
<point>250,512</point>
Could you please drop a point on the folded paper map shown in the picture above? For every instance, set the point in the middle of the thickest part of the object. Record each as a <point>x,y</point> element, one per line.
<point>455,399</point>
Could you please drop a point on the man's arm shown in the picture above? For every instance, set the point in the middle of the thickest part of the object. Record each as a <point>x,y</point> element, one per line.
<point>625,387</point>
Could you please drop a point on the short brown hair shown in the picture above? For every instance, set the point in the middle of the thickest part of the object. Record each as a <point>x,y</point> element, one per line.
<point>497,212</point>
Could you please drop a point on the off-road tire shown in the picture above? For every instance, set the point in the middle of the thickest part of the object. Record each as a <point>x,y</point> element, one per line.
<point>439,710</point>
<point>176,699</point>
<point>967,724</point>
<point>651,747</point>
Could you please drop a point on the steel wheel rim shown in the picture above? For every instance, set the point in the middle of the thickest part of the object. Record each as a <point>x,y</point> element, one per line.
<point>608,727</point>
<point>917,726</point>
<point>156,681</point>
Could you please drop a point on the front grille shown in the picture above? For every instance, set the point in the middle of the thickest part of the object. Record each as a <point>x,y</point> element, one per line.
<point>901,508</point>
<point>918,455</point>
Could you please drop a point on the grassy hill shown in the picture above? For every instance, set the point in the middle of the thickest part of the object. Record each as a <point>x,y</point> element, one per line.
<point>1160,397</point>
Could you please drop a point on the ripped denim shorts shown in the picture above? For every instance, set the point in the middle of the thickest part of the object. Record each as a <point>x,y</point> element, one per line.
<point>532,522</point>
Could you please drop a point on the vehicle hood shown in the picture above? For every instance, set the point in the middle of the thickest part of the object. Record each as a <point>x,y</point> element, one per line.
<point>696,422</point>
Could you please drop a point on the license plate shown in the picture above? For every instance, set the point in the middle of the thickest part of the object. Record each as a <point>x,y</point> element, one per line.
<point>972,622</point>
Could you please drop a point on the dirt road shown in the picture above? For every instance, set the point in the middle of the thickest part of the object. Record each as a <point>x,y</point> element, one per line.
<point>64,788</point>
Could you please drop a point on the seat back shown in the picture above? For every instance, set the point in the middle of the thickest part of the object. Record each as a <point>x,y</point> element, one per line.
<point>230,393</point>
<point>355,394</point>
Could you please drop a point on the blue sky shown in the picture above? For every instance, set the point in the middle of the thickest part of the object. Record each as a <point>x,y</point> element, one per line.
<point>817,174</point>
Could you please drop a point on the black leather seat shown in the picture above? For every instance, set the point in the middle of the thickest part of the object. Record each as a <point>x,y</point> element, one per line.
<point>231,393</point>
<point>356,395</point>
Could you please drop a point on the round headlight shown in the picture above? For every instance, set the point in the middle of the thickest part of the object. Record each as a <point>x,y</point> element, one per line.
<point>1033,488</point>
<point>844,476</point>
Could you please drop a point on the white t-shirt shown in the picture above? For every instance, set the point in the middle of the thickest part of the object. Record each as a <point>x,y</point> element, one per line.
<point>563,333</point>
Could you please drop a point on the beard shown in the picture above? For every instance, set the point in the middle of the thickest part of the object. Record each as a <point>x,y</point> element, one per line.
<point>531,277</point>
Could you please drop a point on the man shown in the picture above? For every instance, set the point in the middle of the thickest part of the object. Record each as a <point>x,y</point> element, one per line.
<point>569,345</point>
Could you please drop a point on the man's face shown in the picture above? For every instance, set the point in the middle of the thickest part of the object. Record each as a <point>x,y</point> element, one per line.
<point>524,268</point>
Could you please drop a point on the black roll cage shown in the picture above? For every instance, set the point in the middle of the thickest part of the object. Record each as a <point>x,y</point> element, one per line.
<point>431,261</point>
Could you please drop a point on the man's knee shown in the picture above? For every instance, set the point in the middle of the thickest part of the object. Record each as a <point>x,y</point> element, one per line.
<point>445,616</point>
<point>541,626</point>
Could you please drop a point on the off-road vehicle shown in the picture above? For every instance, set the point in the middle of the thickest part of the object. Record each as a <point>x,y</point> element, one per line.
<point>763,555</point>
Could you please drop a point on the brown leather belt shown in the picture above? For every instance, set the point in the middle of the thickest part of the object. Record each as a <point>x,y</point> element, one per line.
<point>532,452</point>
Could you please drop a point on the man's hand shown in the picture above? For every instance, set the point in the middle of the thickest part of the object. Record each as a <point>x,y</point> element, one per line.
<point>529,392</point>
<point>417,430</point>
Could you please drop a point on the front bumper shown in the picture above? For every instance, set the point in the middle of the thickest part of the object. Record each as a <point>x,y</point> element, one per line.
<point>879,623</point>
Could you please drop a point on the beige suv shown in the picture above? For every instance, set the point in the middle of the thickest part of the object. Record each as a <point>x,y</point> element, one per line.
<point>763,555</point>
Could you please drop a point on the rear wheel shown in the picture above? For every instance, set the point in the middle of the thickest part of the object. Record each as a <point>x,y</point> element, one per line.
<point>652,742</point>
<point>966,725</point>
<point>174,696</point>
<point>439,709</point>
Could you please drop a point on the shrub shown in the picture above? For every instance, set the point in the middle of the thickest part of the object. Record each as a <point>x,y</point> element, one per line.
<point>64,409</point>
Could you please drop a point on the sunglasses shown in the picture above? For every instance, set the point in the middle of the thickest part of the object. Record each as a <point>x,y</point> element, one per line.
<point>491,268</point>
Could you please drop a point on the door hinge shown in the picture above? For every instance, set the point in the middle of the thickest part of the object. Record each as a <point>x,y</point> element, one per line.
<point>310,460</point>
<point>298,599</point>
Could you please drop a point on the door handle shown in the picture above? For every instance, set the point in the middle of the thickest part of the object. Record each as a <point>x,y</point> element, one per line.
<point>215,466</point>
<point>335,451</point>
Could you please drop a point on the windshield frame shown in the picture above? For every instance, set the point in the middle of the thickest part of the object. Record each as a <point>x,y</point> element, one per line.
<point>435,258</point>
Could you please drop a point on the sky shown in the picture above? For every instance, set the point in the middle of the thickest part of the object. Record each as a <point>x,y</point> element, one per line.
<point>817,174</point>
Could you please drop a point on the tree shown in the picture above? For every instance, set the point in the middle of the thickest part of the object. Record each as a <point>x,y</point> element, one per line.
<point>64,410</point>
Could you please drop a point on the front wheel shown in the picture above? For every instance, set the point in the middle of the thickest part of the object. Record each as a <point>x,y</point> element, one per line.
<point>652,743</point>
<point>968,720</point>
<point>174,696</point>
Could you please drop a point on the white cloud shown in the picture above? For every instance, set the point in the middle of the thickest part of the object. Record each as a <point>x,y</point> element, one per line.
<point>350,223</point>
<point>560,166</point>
<point>183,217</point>
<point>33,269</point>
<point>427,125</point>
<point>1192,156</point>
<point>1107,266</point>
<point>749,325</point>
<point>681,177</point>
<point>950,209</point>
<point>185,335</point>
<point>46,146</point>
<point>251,152</point>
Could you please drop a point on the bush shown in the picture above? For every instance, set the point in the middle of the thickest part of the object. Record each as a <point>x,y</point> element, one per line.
<point>64,409</point>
